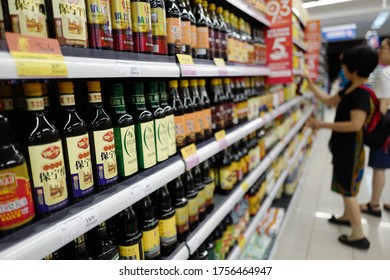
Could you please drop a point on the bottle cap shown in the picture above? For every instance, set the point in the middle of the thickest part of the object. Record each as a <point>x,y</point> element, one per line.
<point>138,88</point>
<point>214,82</point>
<point>202,82</point>
<point>32,89</point>
<point>198,1</point>
<point>183,83</point>
<point>194,82</point>
<point>162,86</point>
<point>152,87</point>
<point>117,89</point>
<point>93,86</point>
<point>205,4</point>
<point>173,84</point>
<point>226,81</point>
<point>219,10</point>
<point>44,89</point>
<point>5,91</point>
<point>65,88</point>
<point>212,7</point>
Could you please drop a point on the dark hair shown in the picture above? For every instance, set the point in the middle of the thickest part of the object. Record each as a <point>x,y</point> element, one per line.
<point>362,59</point>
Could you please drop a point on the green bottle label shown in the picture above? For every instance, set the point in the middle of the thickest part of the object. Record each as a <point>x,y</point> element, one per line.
<point>161,130</point>
<point>146,147</point>
<point>170,120</point>
<point>117,102</point>
<point>126,151</point>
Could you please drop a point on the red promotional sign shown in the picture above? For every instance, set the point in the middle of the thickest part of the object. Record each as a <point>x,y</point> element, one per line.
<point>279,12</point>
<point>313,39</point>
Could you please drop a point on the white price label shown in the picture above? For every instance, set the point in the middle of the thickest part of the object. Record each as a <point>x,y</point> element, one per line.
<point>188,71</point>
<point>134,71</point>
<point>192,161</point>
<point>121,69</point>
<point>223,144</point>
<point>140,190</point>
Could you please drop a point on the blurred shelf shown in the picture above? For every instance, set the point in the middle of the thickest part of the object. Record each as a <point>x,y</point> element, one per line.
<point>247,9</point>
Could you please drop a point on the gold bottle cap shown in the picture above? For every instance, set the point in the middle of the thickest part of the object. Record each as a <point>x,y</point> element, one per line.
<point>173,84</point>
<point>32,89</point>
<point>5,91</point>
<point>219,10</point>
<point>214,82</point>
<point>194,82</point>
<point>226,81</point>
<point>93,86</point>
<point>202,82</point>
<point>65,88</point>
<point>183,83</point>
<point>198,1</point>
<point>212,7</point>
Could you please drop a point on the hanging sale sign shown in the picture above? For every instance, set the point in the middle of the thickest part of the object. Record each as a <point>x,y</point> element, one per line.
<point>279,42</point>
<point>313,39</point>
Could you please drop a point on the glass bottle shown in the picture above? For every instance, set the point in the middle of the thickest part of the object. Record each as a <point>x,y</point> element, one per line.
<point>210,26</point>
<point>122,26</point>
<point>45,155</point>
<point>167,222</point>
<point>189,114</point>
<point>209,186</point>
<point>200,186</point>
<point>169,117</point>
<point>203,253</point>
<point>99,24</point>
<point>217,110</point>
<point>100,245</point>
<point>124,132</point>
<point>20,115</point>
<point>2,24</point>
<point>185,28</point>
<point>216,29</point>
<point>218,242</point>
<point>210,247</point>
<point>150,230</point>
<point>193,28</point>
<point>160,124</point>
<point>174,32</point>
<point>102,139</point>
<point>229,103</point>
<point>207,119</point>
<point>177,192</point>
<point>142,26</point>
<point>202,31</point>
<point>8,110</point>
<point>225,173</point>
<point>223,33</point>
<point>192,196</point>
<point>159,27</point>
<point>144,127</point>
<point>80,249</point>
<point>75,142</point>
<point>129,236</point>
<point>198,111</point>
<point>179,117</point>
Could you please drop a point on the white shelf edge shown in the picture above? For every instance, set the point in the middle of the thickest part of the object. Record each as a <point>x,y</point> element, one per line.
<point>210,70</point>
<point>239,4</point>
<point>50,239</point>
<point>299,45</point>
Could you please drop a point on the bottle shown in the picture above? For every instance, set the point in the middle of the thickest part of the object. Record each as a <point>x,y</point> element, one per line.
<point>159,121</point>
<point>100,245</point>
<point>9,112</point>
<point>16,199</point>
<point>185,28</point>
<point>177,193</point>
<point>230,38</point>
<point>198,111</point>
<point>142,26</point>
<point>198,179</point>
<point>203,253</point>
<point>223,33</point>
<point>144,127</point>
<point>178,111</point>
<point>216,29</point>
<point>237,159</point>
<point>99,24</point>
<point>229,104</point>
<point>189,114</point>
<point>210,26</point>
<point>75,142</point>
<point>173,27</point>
<point>159,27</point>
<point>167,222</point>
<point>2,24</point>
<point>225,173</point>
<point>46,103</point>
<point>122,29</point>
<point>101,138</point>
<point>210,247</point>
<point>217,110</point>
<point>192,196</point>
<point>67,22</point>
<point>80,249</point>
<point>45,155</point>
<point>129,237</point>
<point>218,242</point>
<point>169,118</point>
<point>209,186</point>
<point>193,28</point>
<point>202,31</point>
<point>150,230</point>
<point>26,18</point>
<point>207,119</point>
<point>124,133</point>
<point>20,115</point>
<point>194,256</point>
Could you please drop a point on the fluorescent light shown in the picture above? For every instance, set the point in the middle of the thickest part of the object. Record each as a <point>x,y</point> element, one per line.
<point>380,19</point>
<point>339,27</point>
<point>322,3</point>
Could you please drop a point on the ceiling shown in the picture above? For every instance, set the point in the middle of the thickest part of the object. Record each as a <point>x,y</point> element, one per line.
<point>360,12</point>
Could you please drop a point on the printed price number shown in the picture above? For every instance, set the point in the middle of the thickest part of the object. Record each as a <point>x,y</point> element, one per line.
<point>188,71</point>
<point>224,270</point>
<point>121,69</point>
<point>191,158</point>
<point>278,8</point>
<point>278,49</point>
<point>185,59</point>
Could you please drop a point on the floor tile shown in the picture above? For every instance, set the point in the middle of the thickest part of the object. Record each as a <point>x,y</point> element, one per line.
<point>325,246</point>
<point>288,252</point>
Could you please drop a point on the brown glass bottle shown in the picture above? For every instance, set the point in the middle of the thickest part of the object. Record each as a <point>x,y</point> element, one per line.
<point>223,33</point>
<point>185,27</point>
<point>20,115</point>
<point>216,29</point>
<point>202,31</point>
<point>210,26</point>
<point>225,173</point>
<point>178,111</point>
<point>8,109</point>
<point>217,110</point>
<point>75,141</point>
<point>122,26</point>
<point>102,139</point>
<point>45,154</point>
<point>2,24</point>
<point>173,27</point>
<point>229,103</point>
<point>159,29</point>
<point>100,245</point>
<point>207,118</point>
<point>169,118</point>
<point>209,185</point>
<point>80,249</point>
<point>198,111</point>
<point>200,186</point>
<point>193,28</point>
<point>189,114</point>
<point>142,26</point>
<point>177,193</point>
<point>192,196</point>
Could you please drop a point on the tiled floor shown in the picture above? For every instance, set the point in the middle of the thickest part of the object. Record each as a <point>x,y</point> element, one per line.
<point>307,233</point>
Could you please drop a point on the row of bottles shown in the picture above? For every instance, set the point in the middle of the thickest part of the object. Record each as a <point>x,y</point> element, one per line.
<point>160,27</point>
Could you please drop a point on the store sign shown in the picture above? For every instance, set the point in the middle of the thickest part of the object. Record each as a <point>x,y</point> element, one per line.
<point>313,39</point>
<point>279,12</point>
<point>339,33</point>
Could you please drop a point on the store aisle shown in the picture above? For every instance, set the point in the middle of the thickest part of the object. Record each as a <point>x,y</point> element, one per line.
<point>308,235</point>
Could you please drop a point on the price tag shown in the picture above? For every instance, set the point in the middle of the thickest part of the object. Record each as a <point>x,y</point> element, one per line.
<point>134,71</point>
<point>36,57</point>
<point>242,243</point>
<point>185,59</point>
<point>190,156</point>
<point>121,69</point>
<point>140,190</point>
<point>220,136</point>
<point>245,186</point>
<point>188,71</point>
<point>77,225</point>
<point>219,62</point>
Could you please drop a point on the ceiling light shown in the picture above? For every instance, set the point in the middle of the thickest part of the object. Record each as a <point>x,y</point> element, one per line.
<point>380,19</point>
<point>322,3</point>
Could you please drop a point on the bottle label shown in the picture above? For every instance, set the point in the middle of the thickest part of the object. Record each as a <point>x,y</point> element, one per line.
<point>253,205</point>
<point>207,119</point>
<point>168,234</point>
<point>230,49</point>
<point>190,125</point>
<point>132,252</point>
<point>106,165</point>
<point>193,37</point>
<point>16,202</point>
<point>122,25</point>
<point>141,16</point>
<point>67,100</point>
<point>28,17</point>
<point>170,120</point>
<point>225,178</point>
<point>46,101</point>
<point>95,97</point>
<point>70,19</point>
<point>199,121</point>
<point>202,200</point>
<point>182,219</point>
<point>80,165</point>
<point>35,104</point>
<point>151,241</point>
<point>193,209</point>
<point>217,116</point>
<point>2,26</point>
<point>99,21</point>
<point>146,145</point>
<point>126,151</point>
<point>49,176</point>
<point>159,22</point>
<point>161,129</point>
<point>8,104</point>
<point>180,130</point>
<point>210,188</point>
<point>202,40</point>
<point>174,31</point>
<point>186,32</point>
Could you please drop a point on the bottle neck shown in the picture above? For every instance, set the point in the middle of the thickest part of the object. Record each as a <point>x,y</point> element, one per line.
<point>138,101</point>
<point>163,99</point>
<point>67,100</point>
<point>35,104</point>
<point>117,103</point>
<point>152,100</point>
<point>95,98</point>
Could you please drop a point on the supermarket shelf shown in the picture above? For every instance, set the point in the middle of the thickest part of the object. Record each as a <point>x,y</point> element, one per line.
<point>298,15</point>
<point>236,252</point>
<point>197,237</point>
<point>299,45</point>
<point>239,4</point>
<point>49,234</point>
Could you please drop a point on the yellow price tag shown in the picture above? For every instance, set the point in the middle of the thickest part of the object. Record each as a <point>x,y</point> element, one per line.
<point>242,243</point>
<point>188,151</point>
<point>219,135</point>
<point>185,59</point>
<point>245,186</point>
<point>219,62</point>
<point>36,57</point>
